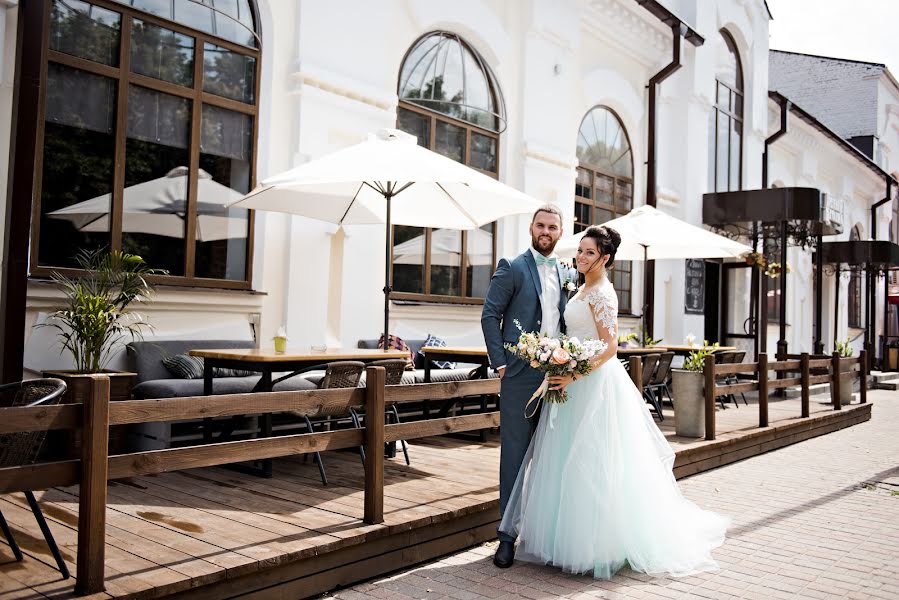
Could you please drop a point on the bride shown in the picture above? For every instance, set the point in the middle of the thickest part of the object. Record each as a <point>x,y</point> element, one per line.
<point>595,491</point>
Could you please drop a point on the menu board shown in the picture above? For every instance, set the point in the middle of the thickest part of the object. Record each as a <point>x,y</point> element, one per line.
<point>694,290</point>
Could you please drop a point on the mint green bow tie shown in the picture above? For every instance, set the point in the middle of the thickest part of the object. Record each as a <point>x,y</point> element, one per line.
<point>542,260</point>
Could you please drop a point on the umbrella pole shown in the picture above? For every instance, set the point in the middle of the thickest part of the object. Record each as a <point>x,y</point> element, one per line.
<point>646,331</point>
<point>388,247</point>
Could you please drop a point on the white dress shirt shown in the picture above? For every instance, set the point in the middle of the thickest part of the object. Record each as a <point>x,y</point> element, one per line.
<point>549,300</point>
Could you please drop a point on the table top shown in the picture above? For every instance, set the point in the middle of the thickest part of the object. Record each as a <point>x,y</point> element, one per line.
<point>641,350</point>
<point>455,350</point>
<point>263,355</point>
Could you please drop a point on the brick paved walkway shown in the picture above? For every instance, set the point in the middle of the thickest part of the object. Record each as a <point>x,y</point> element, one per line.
<point>819,519</point>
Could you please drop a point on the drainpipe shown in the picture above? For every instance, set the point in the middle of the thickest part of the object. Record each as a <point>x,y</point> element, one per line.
<point>761,333</point>
<point>678,31</point>
<point>870,280</point>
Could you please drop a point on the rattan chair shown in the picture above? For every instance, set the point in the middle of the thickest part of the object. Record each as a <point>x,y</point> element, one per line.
<point>18,449</point>
<point>395,368</point>
<point>728,358</point>
<point>658,383</point>
<point>650,361</point>
<point>341,374</point>
<point>736,357</point>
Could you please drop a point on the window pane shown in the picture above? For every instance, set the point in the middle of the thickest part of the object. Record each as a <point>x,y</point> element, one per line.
<point>229,74</point>
<point>154,203</point>
<point>713,149</point>
<point>409,259</point>
<point>479,248</point>
<point>603,215</point>
<point>191,13</point>
<point>85,31</point>
<point>736,136</point>
<point>483,152</point>
<point>225,168</point>
<point>723,160</point>
<point>583,185</point>
<point>604,187</point>
<point>582,216</point>
<point>446,262</point>
<point>79,159</point>
<point>234,21</point>
<point>624,194</point>
<point>738,104</point>
<point>162,53</point>
<point>160,8</point>
<point>415,124</point>
<point>602,143</point>
<point>450,141</point>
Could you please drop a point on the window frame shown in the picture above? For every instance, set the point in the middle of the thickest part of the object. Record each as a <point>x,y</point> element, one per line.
<point>594,205</point>
<point>855,308</point>
<point>731,116</point>
<point>434,117</point>
<point>124,78</point>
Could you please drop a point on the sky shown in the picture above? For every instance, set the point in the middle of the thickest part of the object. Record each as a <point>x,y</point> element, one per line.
<point>865,30</point>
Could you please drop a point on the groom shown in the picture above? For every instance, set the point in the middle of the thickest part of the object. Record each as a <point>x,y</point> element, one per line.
<point>528,289</point>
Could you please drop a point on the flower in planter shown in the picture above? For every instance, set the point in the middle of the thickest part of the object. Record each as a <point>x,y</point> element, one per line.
<point>775,269</point>
<point>756,259</point>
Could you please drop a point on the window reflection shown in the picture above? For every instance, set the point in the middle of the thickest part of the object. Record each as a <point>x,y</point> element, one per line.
<point>479,260</point>
<point>162,53</point>
<point>446,262</point>
<point>409,259</point>
<point>229,74</point>
<point>228,19</point>
<point>79,145</point>
<point>85,30</point>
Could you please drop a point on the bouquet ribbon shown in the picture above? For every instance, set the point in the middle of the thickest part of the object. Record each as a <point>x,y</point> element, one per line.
<point>537,399</point>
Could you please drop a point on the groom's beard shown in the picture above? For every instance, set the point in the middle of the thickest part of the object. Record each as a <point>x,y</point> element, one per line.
<point>543,244</point>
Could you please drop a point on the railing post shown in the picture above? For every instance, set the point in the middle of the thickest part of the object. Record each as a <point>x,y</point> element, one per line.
<point>835,381</point>
<point>89,571</point>
<point>763,389</point>
<point>863,376</point>
<point>375,381</point>
<point>635,365</point>
<point>804,375</point>
<point>708,370</point>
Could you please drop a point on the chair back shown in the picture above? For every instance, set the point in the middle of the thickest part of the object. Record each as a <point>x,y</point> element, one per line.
<point>738,357</point>
<point>340,374</point>
<point>663,369</point>
<point>395,368</point>
<point>23,448</point>
<point>649,367</point>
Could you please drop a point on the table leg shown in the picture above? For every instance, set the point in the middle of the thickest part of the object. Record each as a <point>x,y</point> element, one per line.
<point>425,405</point>
<point>207,391</point>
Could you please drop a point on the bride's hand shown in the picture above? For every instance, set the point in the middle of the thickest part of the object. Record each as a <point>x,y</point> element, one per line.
<point>558,382</point>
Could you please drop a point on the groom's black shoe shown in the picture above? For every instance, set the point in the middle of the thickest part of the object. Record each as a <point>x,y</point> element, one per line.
<point>505,555</point>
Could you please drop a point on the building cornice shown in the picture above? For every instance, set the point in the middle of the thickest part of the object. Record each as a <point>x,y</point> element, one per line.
<point>313,77</point>
<point>626,25</point>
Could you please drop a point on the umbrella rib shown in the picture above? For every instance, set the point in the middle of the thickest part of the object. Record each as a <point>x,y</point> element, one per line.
<point>353,201</point>
<point>459,206</point>
<point>405,186</point>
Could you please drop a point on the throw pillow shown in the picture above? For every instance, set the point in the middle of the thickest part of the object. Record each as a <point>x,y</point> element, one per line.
<point>395,342</point>
<point>434,341</point>
<point>226,372</point>
<point>184,366</point>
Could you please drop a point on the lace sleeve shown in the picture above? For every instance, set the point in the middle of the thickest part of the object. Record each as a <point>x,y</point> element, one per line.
<point>604,303</point>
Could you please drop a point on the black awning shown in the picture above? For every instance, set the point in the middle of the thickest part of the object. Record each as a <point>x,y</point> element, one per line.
<point>875,253</point>
<point>772,205</point>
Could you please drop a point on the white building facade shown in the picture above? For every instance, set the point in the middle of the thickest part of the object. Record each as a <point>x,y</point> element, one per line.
<point>549,97</point>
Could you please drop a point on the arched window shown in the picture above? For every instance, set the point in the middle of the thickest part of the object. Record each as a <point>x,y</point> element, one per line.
<point>148,129</point>
<point>605,183</point>
<point>855,286</point>
<point>726,123</point>
<point>449,101</point>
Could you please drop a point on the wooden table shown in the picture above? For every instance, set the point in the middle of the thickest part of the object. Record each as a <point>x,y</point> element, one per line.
<point>468,354</point>
<point>266,362</point>
<point>684,350</point>
<point>628,351</point>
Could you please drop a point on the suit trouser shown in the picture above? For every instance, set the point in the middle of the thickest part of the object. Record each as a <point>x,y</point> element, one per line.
<point>516,431</point>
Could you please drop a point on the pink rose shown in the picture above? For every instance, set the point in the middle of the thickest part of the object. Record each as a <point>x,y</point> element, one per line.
<point>560,356</point>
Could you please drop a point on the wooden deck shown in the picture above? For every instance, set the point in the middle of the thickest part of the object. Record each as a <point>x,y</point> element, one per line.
<point>214,533</point>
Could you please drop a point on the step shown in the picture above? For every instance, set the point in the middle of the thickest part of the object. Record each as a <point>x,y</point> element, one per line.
<point>795,391</point>
<point>885,377</point>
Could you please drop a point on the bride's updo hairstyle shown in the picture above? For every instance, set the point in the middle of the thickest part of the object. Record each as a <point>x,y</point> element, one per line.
<point>607,241</point>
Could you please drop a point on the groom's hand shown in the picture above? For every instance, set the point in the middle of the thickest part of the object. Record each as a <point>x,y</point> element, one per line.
<point>501,371</point>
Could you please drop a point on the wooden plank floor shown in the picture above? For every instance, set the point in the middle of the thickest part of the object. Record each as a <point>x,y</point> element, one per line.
<point>216,533</point>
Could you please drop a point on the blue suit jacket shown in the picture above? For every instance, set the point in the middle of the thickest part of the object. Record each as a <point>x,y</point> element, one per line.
<point>514,293</point>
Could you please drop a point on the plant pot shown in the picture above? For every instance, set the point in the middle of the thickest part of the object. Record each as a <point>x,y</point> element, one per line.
<point>78,392</point>
<point>893,359</point>
<point>846,381</point>
<point>689,402</point>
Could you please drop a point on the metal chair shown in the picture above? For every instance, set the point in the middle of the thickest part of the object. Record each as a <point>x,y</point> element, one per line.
<point>650,361</point>
<point>18,449</point>
<point>658,383</point>
<point>341,374</point>
<point>728,358</point>
<point>736,357</point>
<point>395,368</point>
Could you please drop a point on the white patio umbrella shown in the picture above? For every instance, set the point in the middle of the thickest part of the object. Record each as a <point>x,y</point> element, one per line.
<point>650,234</point>
<point>158,207</point>
<point>390,179</point>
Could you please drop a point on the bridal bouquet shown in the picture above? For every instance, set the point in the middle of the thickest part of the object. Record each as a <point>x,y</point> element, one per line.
<point>560,355</point>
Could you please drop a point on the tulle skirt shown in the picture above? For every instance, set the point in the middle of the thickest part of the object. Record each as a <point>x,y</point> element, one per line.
<point>596,491</point>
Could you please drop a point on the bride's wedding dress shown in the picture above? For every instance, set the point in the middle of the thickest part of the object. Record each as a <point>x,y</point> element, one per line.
<point>596,490</point>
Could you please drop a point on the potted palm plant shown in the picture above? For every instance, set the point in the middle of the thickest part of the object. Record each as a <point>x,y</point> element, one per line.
<point>687,388</point>
<point>844,349</point>
<point>95,321</point>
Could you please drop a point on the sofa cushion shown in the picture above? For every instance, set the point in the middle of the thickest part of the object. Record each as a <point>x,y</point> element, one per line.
<point>145,358</point>
<point>438,342</point>
<point>184,366</point>
<point>414,346</point>
<point>180,388</point>
<point>395,342</point>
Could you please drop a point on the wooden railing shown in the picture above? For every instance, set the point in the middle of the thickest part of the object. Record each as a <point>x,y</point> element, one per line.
<point>803,364</point>
<point>95,466</point>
